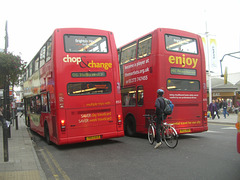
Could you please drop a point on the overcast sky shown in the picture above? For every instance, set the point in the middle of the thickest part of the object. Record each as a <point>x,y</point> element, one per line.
<point>31,22</point>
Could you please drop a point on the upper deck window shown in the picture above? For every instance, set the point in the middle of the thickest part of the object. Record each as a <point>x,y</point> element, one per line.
<point>85,44</point>
<point>144,47</point>
<point>181,44</point>
<point>128,53</point>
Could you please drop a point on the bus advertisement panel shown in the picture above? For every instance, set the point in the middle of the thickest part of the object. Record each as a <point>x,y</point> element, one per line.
<point>72,87</point>
<point>171,60</point>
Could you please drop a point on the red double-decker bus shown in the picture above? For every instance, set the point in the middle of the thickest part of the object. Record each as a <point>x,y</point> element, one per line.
<point>72,87</point>
<point>168,59</point>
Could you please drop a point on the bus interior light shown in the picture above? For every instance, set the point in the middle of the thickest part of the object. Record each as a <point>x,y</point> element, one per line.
<point>63,126</point>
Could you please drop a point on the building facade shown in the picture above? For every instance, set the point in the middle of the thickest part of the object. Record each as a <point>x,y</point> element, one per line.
<point>230,91</point>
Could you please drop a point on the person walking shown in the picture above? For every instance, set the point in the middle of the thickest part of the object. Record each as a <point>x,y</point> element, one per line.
<point>224,105</point>
<point>213,109</point>
<point>218,107</point>
<point>160,105</point>
<point>1,114</point>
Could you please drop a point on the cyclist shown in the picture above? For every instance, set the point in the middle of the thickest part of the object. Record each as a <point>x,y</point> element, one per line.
<point>159,104</point>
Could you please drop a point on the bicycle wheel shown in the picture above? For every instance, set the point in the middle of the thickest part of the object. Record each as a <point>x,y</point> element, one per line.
<point>151,134</point>
<point>170,137</point>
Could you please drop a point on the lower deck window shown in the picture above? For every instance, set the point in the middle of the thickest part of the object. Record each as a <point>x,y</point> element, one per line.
<point>129,96</point>
<point>89,88</point>
<point>183,85</point>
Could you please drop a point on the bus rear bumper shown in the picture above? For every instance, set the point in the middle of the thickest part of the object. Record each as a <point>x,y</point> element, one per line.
<point>92,137</point>
<point>192,130</point>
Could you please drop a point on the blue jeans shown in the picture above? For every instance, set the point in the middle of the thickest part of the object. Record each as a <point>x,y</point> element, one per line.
<point>225,112</point>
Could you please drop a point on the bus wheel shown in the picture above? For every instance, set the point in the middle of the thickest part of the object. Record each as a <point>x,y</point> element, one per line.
<point>46,133</point>
<point>130,126</point>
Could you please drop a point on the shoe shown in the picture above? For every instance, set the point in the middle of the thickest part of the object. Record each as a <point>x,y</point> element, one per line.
<point>157,145</point>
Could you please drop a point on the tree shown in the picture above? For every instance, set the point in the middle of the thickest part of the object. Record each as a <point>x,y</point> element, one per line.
<point>11,68</point>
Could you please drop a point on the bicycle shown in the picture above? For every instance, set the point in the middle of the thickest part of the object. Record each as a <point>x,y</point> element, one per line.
<point>169,135</point>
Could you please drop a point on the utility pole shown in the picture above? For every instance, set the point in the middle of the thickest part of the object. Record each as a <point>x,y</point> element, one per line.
<point>6,37</point>
<point>6,102</point>
<point>209,65</point>
<point>6,83</point>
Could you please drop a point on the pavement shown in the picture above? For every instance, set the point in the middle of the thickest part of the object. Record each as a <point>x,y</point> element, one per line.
<point>23,163</point>
<point>231,119</point>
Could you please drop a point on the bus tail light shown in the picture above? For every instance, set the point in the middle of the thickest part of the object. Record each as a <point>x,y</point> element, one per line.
<point>205,115</point>
<point>119,119</point>
<point>63,125</point>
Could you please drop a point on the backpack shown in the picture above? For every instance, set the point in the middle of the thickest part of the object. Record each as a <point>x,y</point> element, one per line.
<point>168,106</point>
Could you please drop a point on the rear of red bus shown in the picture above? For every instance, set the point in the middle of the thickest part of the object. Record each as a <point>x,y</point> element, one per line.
<point>87,86</point>
<point>182,66</point>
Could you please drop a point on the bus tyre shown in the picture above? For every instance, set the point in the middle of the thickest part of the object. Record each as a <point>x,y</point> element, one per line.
<point>130,126</point>
<point>46,133</point>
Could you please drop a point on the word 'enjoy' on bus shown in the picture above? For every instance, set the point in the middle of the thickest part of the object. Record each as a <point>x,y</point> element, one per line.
<point>72,87</point>
<point>168,59</point>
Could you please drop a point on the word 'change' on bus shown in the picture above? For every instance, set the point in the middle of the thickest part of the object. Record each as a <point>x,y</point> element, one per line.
<point>167,59</point>
<point>72,87</point>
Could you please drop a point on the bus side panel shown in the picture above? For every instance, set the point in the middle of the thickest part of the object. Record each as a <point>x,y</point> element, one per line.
<point>116,84</point>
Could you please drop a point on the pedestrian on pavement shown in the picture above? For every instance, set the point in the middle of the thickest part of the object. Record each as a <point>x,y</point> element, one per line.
<point>224,105</point>
<point>1,114</point>
<point>213,109</point>
<point>159,104</point>
<point>218,107</point>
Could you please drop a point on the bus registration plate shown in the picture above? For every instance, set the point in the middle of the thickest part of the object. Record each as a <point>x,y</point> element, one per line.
<point>93,137</point>
<point>185,130</point>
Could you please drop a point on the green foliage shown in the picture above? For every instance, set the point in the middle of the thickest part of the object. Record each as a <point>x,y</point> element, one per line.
<point>11,68</point>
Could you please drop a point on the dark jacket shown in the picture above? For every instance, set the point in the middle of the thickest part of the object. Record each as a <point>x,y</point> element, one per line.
<point>159,104</point>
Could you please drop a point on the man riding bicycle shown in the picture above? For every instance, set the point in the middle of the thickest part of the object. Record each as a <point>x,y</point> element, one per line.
<point>160,105</point>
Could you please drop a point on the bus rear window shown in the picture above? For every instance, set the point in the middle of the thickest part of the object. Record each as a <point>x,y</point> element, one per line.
<point>85,44</point>
<point>183,85</point>
<point>89,88</point>
<point>181,44</point>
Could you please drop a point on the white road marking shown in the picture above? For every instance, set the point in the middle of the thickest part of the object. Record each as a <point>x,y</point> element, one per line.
<point>229,128</point>
<point>213,131</point>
